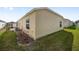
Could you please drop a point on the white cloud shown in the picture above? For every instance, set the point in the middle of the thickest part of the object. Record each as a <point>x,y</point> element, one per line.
<point>11,8</point>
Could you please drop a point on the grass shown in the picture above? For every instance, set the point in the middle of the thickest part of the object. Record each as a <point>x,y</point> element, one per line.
<point>59,41</point>
<point>75,33</point>
<point>2,31</point>
<point>8,42</point>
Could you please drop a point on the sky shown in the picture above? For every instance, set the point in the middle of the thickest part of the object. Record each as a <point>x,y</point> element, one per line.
<point>9,14</point>
<point>71,13</point>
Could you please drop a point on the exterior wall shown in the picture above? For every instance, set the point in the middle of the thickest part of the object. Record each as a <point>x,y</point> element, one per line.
<point>77,25</point>
<point>22,24</point>
<point>42,22</point>
<point>71,23</point>
<point>67,23</point>
<point>47,22</point>
<point>14,25</point>
<point>2,24</point>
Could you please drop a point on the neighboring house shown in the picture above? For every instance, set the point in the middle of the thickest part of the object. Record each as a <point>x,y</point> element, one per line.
<point>68,23</point>
<point>12,25</point>
<point>2,24</point>
<point>40,22</point>
<point>77,23</point>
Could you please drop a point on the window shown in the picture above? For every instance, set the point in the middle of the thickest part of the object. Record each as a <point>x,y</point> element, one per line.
<point>27,24</point>
<point>2,24</point>
<point>60,23</point>
<point>27,21</point>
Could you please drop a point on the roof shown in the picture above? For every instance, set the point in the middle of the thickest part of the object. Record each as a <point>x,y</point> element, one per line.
<point>11,22</point>
<point>40,8</point>
<point>69,20</point>
<point>77,21</point>
<point>2,21</point>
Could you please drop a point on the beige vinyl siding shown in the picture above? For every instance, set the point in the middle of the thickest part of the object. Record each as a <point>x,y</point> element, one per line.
<point>47,22</point>
<point>20,24</point>
<point>31,30</point>
<point>42,22</point>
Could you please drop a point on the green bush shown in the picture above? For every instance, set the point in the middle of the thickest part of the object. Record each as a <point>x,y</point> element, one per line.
<point>71,27</point>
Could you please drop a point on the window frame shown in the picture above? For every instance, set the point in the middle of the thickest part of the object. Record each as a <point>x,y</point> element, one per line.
<point>60,24</point>
<point>27,24</point>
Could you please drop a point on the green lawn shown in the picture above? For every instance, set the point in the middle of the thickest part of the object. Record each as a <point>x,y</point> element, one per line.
<point>75,32</point>
<point>59,41</point>
<point>2,31</point>
<point>8,41</point>
<point>64,40</point>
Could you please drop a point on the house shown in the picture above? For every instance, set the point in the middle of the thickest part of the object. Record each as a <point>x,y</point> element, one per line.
<point>77,23</point>
<point>2,24</point>
<point>12,26</point>
<point>68,23</point>
<point>40,22</point>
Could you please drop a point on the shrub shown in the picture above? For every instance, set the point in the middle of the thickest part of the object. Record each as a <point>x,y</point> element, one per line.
<point>71,27</point>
